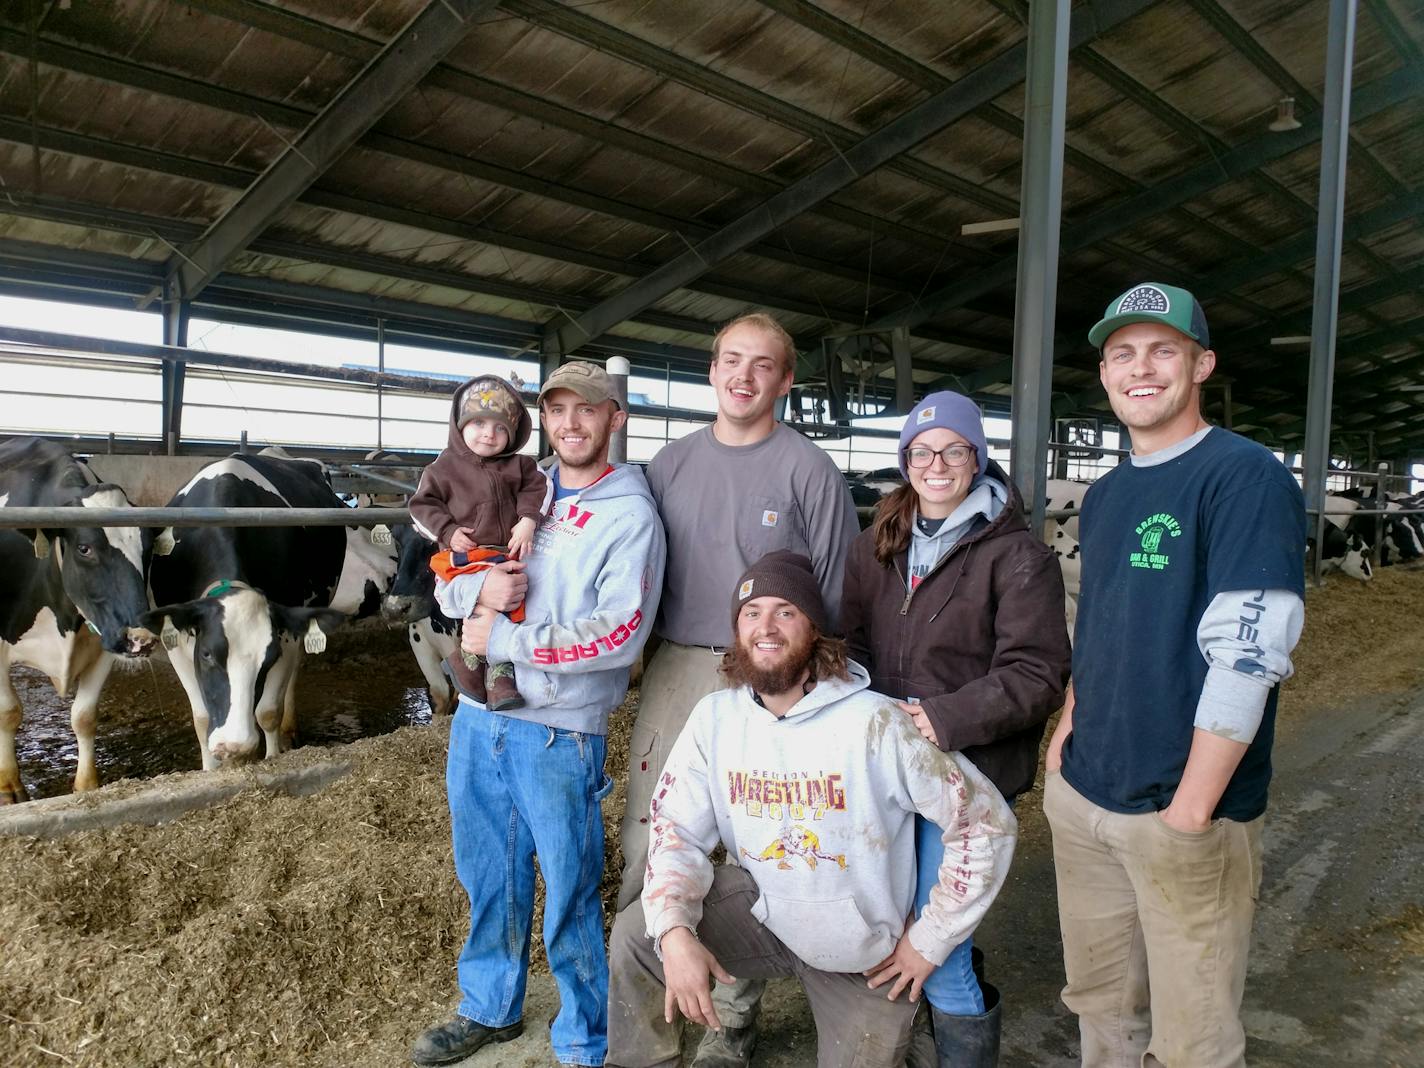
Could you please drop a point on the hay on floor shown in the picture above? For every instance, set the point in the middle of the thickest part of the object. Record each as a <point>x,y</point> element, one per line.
<point>323,930</point>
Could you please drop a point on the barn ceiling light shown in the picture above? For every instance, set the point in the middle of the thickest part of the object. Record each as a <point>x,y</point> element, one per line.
<point>1285,120</point>
<point>992,226</point>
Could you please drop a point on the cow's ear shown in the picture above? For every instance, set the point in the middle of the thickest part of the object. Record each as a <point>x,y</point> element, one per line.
<point>171,620</point>
<point>310,624</point>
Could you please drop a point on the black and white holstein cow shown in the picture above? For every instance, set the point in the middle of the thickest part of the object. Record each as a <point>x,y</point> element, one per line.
<point>1400,537</point>
<point>1345,547</point>
<point>411,601</point>
<point>243,602</point>
<point>72,599</point>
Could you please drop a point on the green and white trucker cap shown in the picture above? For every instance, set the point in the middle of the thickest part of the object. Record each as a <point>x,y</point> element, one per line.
<point>1153,302</point>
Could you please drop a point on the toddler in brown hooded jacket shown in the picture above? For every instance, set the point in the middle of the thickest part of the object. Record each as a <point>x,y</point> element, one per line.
<point>480,501</point>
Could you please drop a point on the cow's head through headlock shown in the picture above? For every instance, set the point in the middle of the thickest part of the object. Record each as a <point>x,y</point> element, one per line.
<point>412,593</point>
<point>233,639</point>
<point>103,571</point>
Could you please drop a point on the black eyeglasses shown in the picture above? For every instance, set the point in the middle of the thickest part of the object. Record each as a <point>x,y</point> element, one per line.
<point>953,456</point>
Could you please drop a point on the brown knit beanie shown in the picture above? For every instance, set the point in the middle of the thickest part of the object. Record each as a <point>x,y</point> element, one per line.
<point>489,398</point>
<point>786,575</point>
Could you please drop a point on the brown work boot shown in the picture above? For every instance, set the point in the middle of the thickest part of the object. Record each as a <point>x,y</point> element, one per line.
<point>467,672</point>
<point>730,1047</point>
<point>503,695</point>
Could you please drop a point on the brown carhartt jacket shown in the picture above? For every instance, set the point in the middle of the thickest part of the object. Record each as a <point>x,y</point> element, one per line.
<point>981,642</point>
<point>485,496</point>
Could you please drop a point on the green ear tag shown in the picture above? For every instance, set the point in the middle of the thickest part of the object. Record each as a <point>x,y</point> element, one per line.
<point>225,586</point>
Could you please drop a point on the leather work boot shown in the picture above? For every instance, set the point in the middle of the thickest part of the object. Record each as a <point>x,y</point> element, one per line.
<point>970,1041</point>
<point>467,672</point>
<point>730,1047</point>
<point>458,1038</point>
<point>499,679</point>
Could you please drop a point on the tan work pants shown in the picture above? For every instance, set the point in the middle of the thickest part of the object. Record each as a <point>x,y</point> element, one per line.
<point>674,681</point>
<point>1146,908</point>
<point>856,1027</point>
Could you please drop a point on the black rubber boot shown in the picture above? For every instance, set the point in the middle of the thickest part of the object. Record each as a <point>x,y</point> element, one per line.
<point>922,1052</point>
<point>458,1038</point>
<point>970,1041</point>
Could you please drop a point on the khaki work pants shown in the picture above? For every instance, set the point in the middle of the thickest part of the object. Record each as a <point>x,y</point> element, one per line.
<point>856,1027</point>
<point>674,681</point>
<point>1156,927</point>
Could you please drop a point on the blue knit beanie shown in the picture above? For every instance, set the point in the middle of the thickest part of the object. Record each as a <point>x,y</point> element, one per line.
<point>952,411</point>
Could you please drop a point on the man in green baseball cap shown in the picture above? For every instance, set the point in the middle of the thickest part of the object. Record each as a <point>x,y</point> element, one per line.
<point>1156,353</point>
<point>1153,302</point>
<point>1157,774</point>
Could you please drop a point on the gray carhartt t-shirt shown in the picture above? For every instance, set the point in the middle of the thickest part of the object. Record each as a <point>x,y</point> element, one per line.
<point>726,506</point>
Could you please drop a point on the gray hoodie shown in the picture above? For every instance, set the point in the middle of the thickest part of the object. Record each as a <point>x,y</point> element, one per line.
<point>987,497</point>
<point>818,807</point>
<point>595,577</point>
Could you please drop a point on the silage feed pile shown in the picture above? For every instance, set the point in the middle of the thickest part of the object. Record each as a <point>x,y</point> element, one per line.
<point>270,930</point>
<point>323,930</point>
<point>1359,639</point>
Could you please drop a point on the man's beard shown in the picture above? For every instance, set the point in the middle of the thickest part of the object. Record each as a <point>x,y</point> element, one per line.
<point>785,674</point>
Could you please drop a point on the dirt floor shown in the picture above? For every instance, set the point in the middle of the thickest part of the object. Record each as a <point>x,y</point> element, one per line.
<point>323,930</point>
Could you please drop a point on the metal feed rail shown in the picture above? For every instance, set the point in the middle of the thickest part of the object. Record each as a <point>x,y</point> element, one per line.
<point>79,516</point>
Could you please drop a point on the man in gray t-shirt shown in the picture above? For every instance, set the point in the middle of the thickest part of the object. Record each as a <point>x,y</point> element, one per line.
<point>728,494</point>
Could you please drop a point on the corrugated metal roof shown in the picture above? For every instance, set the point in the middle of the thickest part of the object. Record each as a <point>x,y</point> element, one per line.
<point>561,151</point>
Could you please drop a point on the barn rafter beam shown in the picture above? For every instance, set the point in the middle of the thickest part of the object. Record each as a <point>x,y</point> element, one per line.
<point>1293,322</point>
<point>259,14</point>
<point>866,46</point>
<point>36,266</point>
<point>1266,262</point>
<point>119,71</point>
<point>233,177</point>
<point>1404,45</point>
<point>27,267</point>
<point>846,167</point>
<point>399,66</point>
<point>599,35</point>
<point>1382,93</point>
<point>1163,111</point>
<point>1271,68</point>
<point>269,18</point>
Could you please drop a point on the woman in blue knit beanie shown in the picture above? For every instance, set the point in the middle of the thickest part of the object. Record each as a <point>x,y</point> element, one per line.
<point>956,609</point>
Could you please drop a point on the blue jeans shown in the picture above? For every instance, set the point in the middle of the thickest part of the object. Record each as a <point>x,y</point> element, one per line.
<point>518,789</point>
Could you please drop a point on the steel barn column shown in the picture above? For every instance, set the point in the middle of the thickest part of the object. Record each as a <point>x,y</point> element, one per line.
<point>1040,208</point>
<point>1334,141</point>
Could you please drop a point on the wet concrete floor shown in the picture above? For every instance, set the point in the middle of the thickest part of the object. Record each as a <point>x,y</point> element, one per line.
<point>366,683</point>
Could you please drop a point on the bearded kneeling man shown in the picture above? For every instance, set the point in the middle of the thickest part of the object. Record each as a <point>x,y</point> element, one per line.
<point>812,781</point>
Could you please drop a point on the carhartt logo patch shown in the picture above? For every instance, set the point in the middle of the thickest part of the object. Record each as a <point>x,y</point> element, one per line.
<point>745,590</point>
<point>1145,299</point>
<point>770,518</point>
<point>926,414</point>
